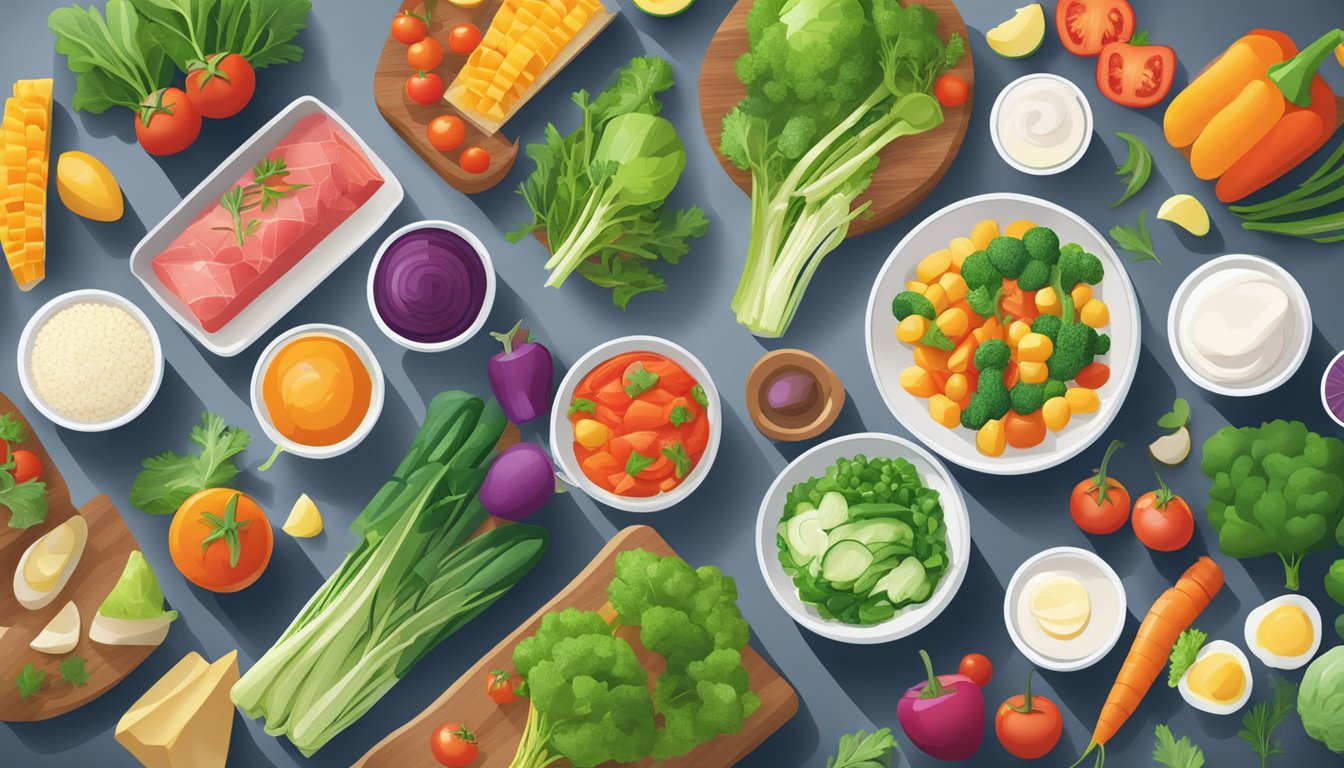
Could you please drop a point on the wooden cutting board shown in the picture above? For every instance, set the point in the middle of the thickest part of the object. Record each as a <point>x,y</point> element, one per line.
<point>499,728</point>
<point>110,543</point>
<point>910,167</point>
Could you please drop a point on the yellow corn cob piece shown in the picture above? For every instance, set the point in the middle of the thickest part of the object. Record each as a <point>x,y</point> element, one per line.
<point>26,129</point>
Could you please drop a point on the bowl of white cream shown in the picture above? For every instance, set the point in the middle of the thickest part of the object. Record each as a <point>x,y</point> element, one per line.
<point>1041,124</point>
<point>1239,325</point>
<point>1065,609</point>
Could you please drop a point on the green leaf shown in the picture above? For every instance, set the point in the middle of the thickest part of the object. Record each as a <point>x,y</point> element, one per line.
<point>1136,240</point>
<point>864,750</point>
<point>1136,169</point>
<point>30,680</point>
<point>168,479</point>
<point>680,415</point>
<point>1258,725</point>
<point>637,463</point>
<point>11,429</point>
<point>681,462</point>
<point>698,392</point>
<point>581,404</point>
<point>1177,417</point>
<point>1183,654</point>
<point>641,381</point>
<point>72,671</point>
<point>1176,754</point>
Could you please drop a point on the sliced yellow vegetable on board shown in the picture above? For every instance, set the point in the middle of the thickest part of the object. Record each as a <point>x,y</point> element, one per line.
<point>664,8</point>
<point>1186,212</point>
<point>26,149</point>
<point>1020,36</point>
<point>304,521</point>
<point>87,187</point>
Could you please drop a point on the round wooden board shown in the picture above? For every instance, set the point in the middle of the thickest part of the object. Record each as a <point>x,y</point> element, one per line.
<point>910,166</point>
<point>110,544</point>
<point>410,120</point>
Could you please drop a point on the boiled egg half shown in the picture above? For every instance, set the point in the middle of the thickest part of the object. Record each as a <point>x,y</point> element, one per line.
<point>48,562</point>
<point>1219,681</point>
<point>1285,632</point>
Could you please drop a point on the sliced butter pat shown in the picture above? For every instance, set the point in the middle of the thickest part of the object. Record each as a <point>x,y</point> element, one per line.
<point>304,521</point>
<point>1061,606</point>
<point>61,634</point>
<point>186,719</point>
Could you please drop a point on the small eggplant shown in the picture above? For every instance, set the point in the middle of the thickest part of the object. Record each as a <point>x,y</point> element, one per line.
<point>520,376</point>
<point>945,716</point>
<point>518,483</point>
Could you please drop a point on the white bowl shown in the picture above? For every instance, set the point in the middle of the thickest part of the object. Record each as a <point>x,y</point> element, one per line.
<point>1088,565</point>
<point>290,288</point>
<point>375,398</point>
<point>1054,169</point>
<point>1325,402</point>
<point>78,297</point>
<point>562,431</point>
<point>814,463</point>
<point>486,305</point>
<point>888,357</point>
<point>1296,353</point>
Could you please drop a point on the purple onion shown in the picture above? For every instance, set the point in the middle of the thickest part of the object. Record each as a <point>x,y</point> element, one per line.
<point>429,286</point>
<point>518,483</point>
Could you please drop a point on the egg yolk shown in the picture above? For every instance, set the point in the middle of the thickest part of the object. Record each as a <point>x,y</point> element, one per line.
<point>1286,631</point>
<point>1217,677</point>
<point>317,390</point>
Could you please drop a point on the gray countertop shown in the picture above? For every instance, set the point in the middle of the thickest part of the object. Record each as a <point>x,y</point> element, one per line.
<point>841,687</point>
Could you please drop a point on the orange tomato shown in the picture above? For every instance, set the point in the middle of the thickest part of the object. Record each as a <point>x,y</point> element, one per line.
<point>1024,431</point>
<point>220,540</point>
<point>424,54</point>
<point>446,132</point>
<point>474,159</point>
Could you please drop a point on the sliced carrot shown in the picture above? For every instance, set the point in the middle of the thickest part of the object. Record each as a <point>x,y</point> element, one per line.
<point>660,468</point>
<point>623,445</point>
<point>609,370</point>
<point>612,394</point>
<point>658,396</point>
<point>1093,375</point>
<point>1024,431</point>
<point>668,483</point>
<point>599,467</point>
<point>671,376</point>
<point>931,358</point>
<point>633,486</point>
<point>1018,303</point>
<point>642,415</point>
<point>691,407</point>
<point>607,415</point>
<point>698,436</point>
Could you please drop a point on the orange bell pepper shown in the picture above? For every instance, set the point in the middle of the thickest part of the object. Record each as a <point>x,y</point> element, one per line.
<point>1255,113</point>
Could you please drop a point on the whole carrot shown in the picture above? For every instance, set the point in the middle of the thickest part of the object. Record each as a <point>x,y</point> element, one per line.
<point>1171,614</point>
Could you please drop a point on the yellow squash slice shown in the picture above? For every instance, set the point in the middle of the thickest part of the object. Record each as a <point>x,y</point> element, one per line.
<point>23,197</point>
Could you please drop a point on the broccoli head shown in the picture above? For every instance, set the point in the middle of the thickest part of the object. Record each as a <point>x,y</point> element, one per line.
<point>1035,276</point>
<point>1047,325</point>
<point>1055,388</point>
<point>990,399</point>
<point>1103,344</point>
<point>1008,255</point>
<point>1277,489</point>
<point>706,698</point>
<point>1042,244</point>
<point>1075,346</point>
<point>992,355</point>
<point>1078,266</point>
<point>978,272</point>
<point>1027,398</point>
<point>909,303</point>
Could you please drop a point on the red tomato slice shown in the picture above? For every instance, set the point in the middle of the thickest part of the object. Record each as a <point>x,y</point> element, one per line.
<point>1135,75</point>
<point>1086,26</point>
<point>642,415</point>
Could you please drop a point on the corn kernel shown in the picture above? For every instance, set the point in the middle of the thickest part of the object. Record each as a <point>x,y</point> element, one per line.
<point>938,296</point>
<point>1017,331</point>
<point>934,265</point>
<point>945,411</point>
<point>1057,413</point>
<point>918,382</point>
<point>1035,347</point>
<point>991,439</point>
<point>961,357</point>
<point>1031,372</point>
<point>1018,228</point>
<point>912,329</point>
<point>1081,293</point>
<point>954,286</point>
<point>961,247</point>
<point>1082,400</point>
<point>957,386</point>
<point>916,286</point>
<point>1047,303</point>
<point>954,323</point>
<point>983,232</point>
<point>1095,314</point>
<point>591,434</point>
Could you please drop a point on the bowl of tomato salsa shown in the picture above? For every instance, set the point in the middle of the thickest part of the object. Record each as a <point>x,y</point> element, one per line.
<point>636,424</point>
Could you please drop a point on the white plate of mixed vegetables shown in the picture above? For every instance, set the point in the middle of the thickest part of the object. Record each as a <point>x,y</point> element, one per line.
<point>1012,285</point>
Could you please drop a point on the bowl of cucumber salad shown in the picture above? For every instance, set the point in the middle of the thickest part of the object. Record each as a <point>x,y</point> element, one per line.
<point>863,539</point>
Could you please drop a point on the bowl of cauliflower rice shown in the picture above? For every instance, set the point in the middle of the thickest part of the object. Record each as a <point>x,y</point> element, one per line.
<point>90,360</point>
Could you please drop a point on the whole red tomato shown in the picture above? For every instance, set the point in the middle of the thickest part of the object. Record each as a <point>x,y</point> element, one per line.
<point>501,685</point>
<point>1028,726</point>
<point>464,38</point>
<point>474,160</point>
<point>1100,504</point>
<point>453,745</point>
<point>26,466</point>
<point>167,122</point>
<point>950,90</point>
<point>446,132</point>
<point>424,87</point>
<point>425,54</point>
<point>977,667</point>
<point>221,85</point>
<point>1086,26</point>
<point>1162,520</point>
<point>408,28</point>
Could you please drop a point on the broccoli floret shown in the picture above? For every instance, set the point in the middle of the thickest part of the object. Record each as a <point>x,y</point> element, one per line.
<point>1008,255</point>
<point>909,303</point>
<point>1055,389</point>
<point>982,301</point>
<point>1075,347</point>
<point>1046,325</point>
<point>978,272</point>
<point>1078,266</point>
<point>1035,276</point>
<point>1103,344</point>
<point>992,355</point>
<point>1027,398</point>
<point>990,399</point>
<point>1042,244</point>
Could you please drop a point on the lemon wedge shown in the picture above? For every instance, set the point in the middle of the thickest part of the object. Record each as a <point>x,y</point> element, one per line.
<point>1020,36</point>
<point>1187,213</point>
<point>467,3</point>
<point>304,521</point>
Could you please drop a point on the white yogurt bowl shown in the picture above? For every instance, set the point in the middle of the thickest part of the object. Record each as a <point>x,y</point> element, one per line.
<point>29,337</point>
<point>365,355</point>
<point>999,106</point>
<point>1291,354</point>
<point>1105,591</point>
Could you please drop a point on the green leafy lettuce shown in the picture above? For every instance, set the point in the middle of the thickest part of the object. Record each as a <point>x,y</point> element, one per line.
<point>261,31</point>
<point>137,594</point>
<point>1320,699</point>
<point>115,60</point>
<point>168,479</point>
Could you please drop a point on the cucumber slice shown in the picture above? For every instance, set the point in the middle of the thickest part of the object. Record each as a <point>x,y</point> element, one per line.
<point>834,510</point>
<point>879,530</point>
<point>805,537</point>
<point>903,583</point>
<point>846,561</point>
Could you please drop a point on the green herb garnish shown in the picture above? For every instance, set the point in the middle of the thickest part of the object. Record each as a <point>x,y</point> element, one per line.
<point>168,479</point>
<point>864,750</point>
<point>1177,417</point>
<point>30,680</point>
<point>1176,754</point>
<point>1183,654</point>
<point>1257,725</point>
<point>698,392</point>
<point>581,404</point>
<point>268,187</point>
<point>641,381</point>
<point>72,671</point>
<point>681,462</point>
<point>1136,169</point>
<point>1136,240</point>
<point>680,415</point>
<point>637,463</point>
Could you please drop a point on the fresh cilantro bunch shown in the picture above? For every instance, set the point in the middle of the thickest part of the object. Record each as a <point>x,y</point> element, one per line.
<point>169,478</point>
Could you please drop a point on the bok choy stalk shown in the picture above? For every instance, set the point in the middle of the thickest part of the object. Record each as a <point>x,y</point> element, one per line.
<point>830,83</point>
<point>415,577</point>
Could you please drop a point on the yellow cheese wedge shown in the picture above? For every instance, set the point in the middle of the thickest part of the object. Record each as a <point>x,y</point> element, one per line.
<point>25,139</point>
<point>304,521</point>
<point>185,720</point>
<point>1060,605</point>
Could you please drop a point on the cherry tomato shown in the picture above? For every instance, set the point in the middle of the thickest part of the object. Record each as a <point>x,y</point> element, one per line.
<point>464,38</point>
<point>446,132</point>
<point>978,668</point>
<point>1135,74</point>
<point>1100,504</point>
<point>453,745</point>
<point>26,466</point>
<point>221,85</point>
<point>474,160</point>
<point>424,87</point>
<point>425,54</point>
<point>1162,520</point>
<point>1086,26</point>
<point>167,122</point>
<point>950,90</point>
<point>408,28</point>
<point>1028,726</point>
<point>501,685</point>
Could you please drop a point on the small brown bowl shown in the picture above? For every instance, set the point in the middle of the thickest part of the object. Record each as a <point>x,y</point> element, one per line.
<point>808,418</point>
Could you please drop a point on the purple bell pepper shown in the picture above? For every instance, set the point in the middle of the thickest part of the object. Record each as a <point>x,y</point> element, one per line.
<point>945,716</point>
<point>520,376</point>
